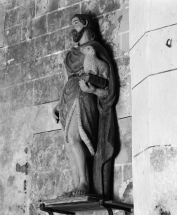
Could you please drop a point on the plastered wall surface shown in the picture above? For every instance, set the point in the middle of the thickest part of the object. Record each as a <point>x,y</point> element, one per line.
<point>153,68</point>
<point>34,38</point>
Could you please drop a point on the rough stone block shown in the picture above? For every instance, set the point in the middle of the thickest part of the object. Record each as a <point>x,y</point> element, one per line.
<point>21,96</point>
<point>54,4</point>
<point>127,172</point>
<point>125,132</point>
<point>13,17</point>
<point>68,38</point>
<point>109,27</point>
<point>39,26</point>
<point>155,169</point>
<point>26,30</point>
<point>57,42</point>
<point>2,1</point>
<point>50,175</point>
<point>124,24</point>
<point>123,108</point>
<point>117,182</point>
<point>69,2</point>
<point>10,75</point>
<point>50,185</point>
<point>125,42</point>
<point>44,6</point>
<point>19,53</point>
<point>123,70</point>
<point>48,89</point>
<point>1,39</point>
<point>54,20</point>
<point>27,11</point>
<point>99,7</point>
<point>41,7</point>
<point>47,151</point>
<point>41,46</point>
<point>41,67</point>
<point>2,20</point>
<point>2,58</point>
<point>12,35</point>
<point>44,120</point>
<point>10,4</point>
<point>69,13</point>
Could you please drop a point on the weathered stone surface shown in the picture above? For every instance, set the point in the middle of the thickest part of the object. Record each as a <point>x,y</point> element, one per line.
<point>123,108</point>
<point>39,26</point>
<point>54,20</point>
<point>68,38</point>
<point>10,75</point>
<point>44,6</point>
<point>1,39</point>
<point>21,96</point>
<point>51,174</point>
<point>109,27</point>
<point>54,4</point>
<point>41,7</point>
<point>57,42</point>
<point>41,46</point>
<point>48,89</point>
<point>47,151</point>
<point>15,136</point>
<point>99,7</point>
<point>19,53</point>
<point>69,13</point>
<point>2,1</point>
<point>13,35</point>
<point>125,130</point>
<point>10,4</point>
<point>62,18</point>
<point>125,42</point>
<point>2,20</point>
<point>41,67</point>
<point>44,120</point>
<point>2,58</point>
<point>123,70</point>
<point>127,172</point>
<point>27,11</point>
<point>117,182</point>
<point>26,30</point>
<point>13,17</point>
<point>124,24</point>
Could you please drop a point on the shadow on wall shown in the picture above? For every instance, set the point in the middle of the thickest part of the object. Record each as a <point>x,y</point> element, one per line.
<point>108,48</point>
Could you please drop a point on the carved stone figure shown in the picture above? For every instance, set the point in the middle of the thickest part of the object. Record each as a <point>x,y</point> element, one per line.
<point>86,111</point>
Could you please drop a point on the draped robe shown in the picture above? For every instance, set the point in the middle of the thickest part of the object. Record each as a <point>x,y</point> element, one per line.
<point>95,116</point>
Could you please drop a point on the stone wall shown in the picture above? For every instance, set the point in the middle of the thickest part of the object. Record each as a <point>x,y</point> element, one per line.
<point>34,37</point>
<point>154,74</point>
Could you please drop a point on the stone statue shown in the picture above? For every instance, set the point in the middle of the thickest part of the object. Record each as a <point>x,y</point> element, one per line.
<point>86,111</point>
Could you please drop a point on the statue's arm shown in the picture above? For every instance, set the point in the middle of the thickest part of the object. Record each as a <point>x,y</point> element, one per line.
<point>89,88</point>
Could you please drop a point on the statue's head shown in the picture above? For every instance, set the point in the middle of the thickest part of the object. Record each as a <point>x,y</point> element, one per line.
<point>82,23</point>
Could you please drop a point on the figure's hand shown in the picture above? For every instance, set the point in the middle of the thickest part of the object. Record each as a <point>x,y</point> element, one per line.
<point>56,115</point>
<point>87,88</point>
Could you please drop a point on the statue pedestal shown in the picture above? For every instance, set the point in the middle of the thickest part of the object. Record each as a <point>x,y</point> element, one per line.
<point>71,205</point>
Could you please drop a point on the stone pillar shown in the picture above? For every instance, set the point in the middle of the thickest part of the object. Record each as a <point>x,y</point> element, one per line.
<point>153,48</point>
